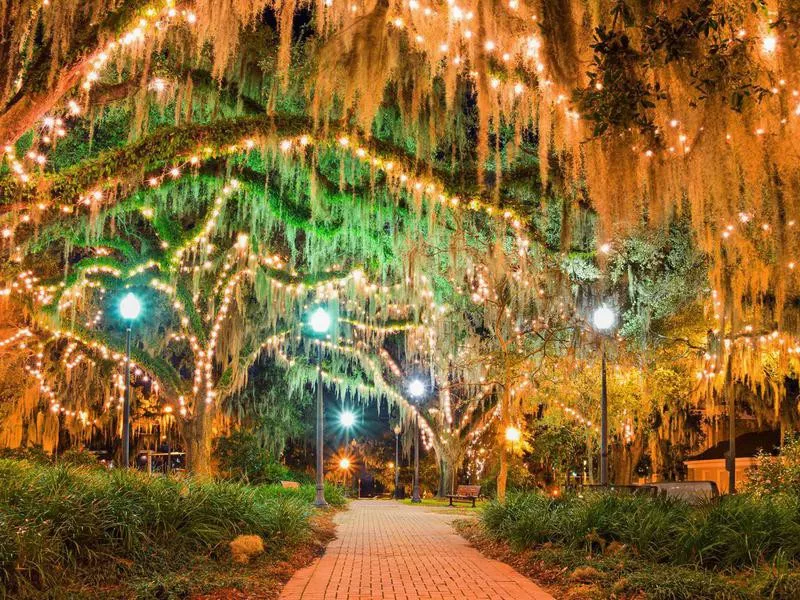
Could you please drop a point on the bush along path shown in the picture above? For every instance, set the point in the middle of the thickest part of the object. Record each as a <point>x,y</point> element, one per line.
<point>603,546</point>
<point>85,532</point>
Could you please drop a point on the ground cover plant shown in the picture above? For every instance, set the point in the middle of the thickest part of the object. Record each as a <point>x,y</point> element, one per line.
<point>83,528</point>
<point>599,545</point>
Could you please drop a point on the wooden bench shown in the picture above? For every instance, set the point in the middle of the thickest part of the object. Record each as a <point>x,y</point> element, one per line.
<point>290,485</point>
<point>465,493</point>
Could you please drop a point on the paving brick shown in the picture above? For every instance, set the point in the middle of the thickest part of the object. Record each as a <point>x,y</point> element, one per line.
<point>386,550</point>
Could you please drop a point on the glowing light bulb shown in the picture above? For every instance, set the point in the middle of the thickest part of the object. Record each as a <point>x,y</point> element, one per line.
<point>416,388</point>
<point>320,320</point>
<point>130,307</point>
<point>513,434</point>
<point>347,419</point>
<point>604,318</point>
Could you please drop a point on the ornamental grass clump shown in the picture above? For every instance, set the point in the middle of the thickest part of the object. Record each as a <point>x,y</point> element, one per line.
<point>79,522</point>
<point>734,532</point>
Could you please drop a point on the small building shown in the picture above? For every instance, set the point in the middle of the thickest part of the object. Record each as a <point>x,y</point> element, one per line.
<point>709,465</point>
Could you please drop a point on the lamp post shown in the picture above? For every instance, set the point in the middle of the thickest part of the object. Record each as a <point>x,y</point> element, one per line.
<point>129,309</point>
<point>320,322</point>
<point>604,319</point>
<point>513,435</point>
<point>397,462</point>
<point>416,389</point>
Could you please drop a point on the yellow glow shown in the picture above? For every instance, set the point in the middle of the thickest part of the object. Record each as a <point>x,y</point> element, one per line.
<point>344,464</point>
<point>513,434</point>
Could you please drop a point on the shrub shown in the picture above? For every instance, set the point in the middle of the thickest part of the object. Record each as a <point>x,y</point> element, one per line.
<point>735,532</point>
<point>242,458</point>
<point>334,494</point>
<point>76,519</point>
<point>777,473</point>
<point>79,458</point>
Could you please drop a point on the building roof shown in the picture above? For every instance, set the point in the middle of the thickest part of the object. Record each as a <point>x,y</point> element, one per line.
<point>747,445</point>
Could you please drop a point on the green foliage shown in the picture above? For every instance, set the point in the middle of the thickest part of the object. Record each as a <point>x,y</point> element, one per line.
<point>242,456</point>
<point>662,273</point>
<point>79,457</point>
<point>334,494</point>
<point>59,521</point>
<point>32,454</point>
<point>735,532</point>
<point>617,96</point>
<point>777,473</point>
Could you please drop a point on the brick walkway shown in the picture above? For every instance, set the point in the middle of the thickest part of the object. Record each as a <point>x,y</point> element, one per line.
<point>388,550</point>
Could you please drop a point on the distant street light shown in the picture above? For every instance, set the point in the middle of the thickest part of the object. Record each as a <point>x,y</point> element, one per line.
<point>416,389</point>
<point>344,464</point>
<point>129,309</point>
<point>604,319</point>
<point>513,434</point>
<point>347,419</point>
<point>320,323</point>
<point>397,431</point>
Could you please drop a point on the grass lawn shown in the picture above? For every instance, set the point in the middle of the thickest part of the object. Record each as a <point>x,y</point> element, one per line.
<point>443,504</point>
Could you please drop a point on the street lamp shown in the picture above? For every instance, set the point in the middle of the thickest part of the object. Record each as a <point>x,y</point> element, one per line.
<point>397,461</point>
<point>416,389</point>
<point>347,419</point>
<point>320,323</point>
<point>604,318</point>
<point>513,434</point>
<point>129,309</point>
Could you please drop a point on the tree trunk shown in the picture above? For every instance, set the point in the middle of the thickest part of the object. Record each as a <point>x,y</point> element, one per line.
<point>446,472</point>
<point>198,441</point>
<point>502,476</point>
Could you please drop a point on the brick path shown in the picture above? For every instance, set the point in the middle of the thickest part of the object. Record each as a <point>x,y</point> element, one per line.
<point>388,550</point>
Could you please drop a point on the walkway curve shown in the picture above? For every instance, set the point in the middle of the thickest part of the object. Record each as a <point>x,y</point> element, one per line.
<point>393,551</point>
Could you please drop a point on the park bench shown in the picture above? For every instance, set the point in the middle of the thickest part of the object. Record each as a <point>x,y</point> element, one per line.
<point>290,485</point>
<point>465,493</point>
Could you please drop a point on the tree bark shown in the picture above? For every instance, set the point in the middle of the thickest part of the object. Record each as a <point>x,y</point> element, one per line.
<point>26,110</point>
<point>502,476</point>
<point>35,100</point>
<point>446,471</point>
<point>198,440</point>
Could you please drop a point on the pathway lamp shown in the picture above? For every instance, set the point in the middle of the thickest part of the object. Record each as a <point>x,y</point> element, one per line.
<point>320,323</point>
<point>129,309</point>
<point>604,319</point>
<point>416,389</point>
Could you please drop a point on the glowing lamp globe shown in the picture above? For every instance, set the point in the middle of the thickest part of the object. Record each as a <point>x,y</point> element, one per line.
<point>604,318</point>
<point>397,430</point>
<point>320,321</point>
<point>513,434</point>
<point>344,464</point>
<point>416,388</point>
<point>347,419</point>
<point>130,307</point>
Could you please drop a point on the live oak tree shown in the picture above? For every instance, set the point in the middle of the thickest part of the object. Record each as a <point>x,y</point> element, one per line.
<point>424,169</point>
